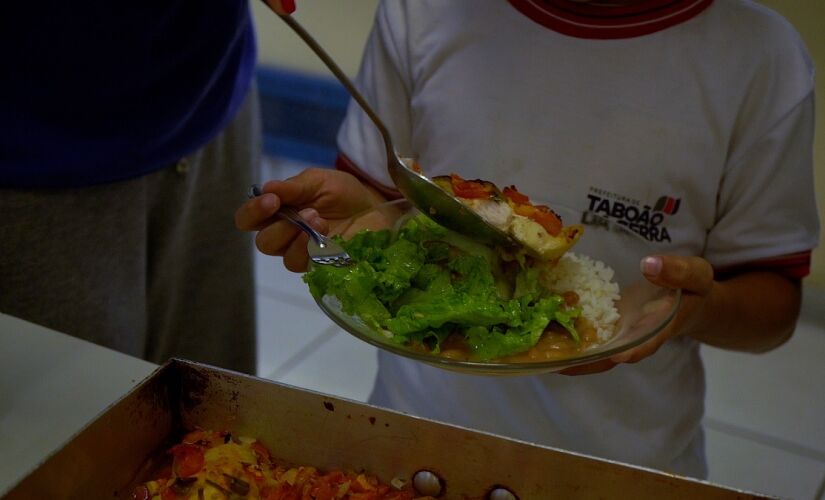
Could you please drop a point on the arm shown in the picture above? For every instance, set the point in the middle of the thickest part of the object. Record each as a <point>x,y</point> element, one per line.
<point>766,207</point>
<point>327,198</point>
<point>753,311</point>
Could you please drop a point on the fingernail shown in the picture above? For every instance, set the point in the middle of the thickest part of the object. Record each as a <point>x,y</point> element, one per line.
<point>267,201</point>
<point>314,221</point>
<point>288,5</point>
<point>309,214</point>
<point>651,266</point>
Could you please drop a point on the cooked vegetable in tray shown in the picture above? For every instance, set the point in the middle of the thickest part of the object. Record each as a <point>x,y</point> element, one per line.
<point>218,465</point>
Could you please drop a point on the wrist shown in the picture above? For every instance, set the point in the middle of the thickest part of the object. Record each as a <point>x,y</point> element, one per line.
<point>705,313</point>
<point>752,312</point>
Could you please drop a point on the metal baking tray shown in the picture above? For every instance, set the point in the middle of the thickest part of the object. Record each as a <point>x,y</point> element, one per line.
<point>107,457</point>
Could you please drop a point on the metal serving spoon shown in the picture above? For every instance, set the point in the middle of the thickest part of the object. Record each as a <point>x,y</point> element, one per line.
<point>427,196</point>
<point>321,250</point>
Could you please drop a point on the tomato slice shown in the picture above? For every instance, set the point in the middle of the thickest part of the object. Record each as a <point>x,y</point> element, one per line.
<point>261,452</point>
<point>188,459</point>
<point>547,219</point>
<point>513,195</point>
<point>456,179</point>
<point>470,190</point>
<point>323,490</point>
<point>195,436</point>
<point>524,210</point>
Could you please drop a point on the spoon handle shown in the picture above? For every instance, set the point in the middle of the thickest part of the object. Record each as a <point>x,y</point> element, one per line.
<point>342,77</point>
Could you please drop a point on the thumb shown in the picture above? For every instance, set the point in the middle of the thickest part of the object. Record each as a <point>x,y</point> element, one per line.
<point>692,274</point>
<point>298,191</point>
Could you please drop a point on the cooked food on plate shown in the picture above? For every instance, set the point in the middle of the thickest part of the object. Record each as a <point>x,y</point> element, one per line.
<point>432,290</point>
<point>536,227</point>
<point>218,465</point>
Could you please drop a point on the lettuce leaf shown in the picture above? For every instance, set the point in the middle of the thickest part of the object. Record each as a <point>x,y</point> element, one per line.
<point>427,283</point>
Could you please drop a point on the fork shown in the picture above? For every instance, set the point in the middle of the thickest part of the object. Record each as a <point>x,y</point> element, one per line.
<point>321,249</point>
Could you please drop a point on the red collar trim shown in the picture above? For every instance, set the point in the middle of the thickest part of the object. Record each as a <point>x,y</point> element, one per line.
<point>583,20</point>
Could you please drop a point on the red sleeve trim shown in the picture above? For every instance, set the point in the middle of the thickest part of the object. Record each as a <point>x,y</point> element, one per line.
<point>344,164</point>
<point>795,265</point>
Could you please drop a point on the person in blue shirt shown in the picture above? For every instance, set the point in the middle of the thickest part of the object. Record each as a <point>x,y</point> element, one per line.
<point>128,130</point>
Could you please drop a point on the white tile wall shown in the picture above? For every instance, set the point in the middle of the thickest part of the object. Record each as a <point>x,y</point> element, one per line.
<point>341,365</point>
<point>765,420</point>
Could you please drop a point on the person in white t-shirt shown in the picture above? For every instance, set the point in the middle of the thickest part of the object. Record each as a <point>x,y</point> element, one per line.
<point>689,122</point>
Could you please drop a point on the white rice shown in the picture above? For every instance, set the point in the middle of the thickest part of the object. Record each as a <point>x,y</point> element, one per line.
<point>593,282</point>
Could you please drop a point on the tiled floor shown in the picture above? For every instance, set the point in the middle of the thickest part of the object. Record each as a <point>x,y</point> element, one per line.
<point>765,421</point>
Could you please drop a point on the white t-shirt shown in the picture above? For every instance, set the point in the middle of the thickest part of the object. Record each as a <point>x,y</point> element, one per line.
<point>698,136</point>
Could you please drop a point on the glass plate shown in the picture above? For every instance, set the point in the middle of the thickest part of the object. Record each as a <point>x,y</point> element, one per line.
<point>645,309</point>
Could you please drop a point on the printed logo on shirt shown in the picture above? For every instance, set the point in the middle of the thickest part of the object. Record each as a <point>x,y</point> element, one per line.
<point>667,205</point>
<point>620,213</point>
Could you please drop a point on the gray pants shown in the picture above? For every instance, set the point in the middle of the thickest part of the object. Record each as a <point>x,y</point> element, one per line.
<point>151,267</point>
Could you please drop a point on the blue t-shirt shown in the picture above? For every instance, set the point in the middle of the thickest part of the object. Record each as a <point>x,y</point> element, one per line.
<point>104,90</point>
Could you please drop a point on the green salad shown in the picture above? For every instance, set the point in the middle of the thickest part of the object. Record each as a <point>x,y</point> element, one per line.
<point>423,283</point>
